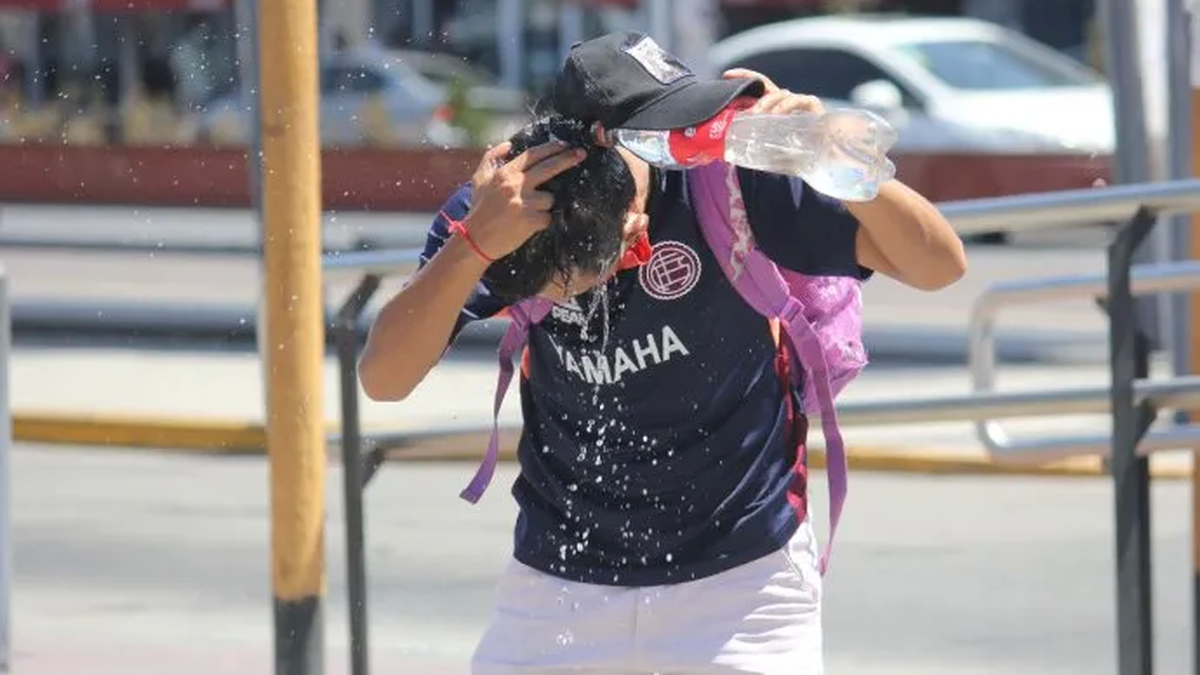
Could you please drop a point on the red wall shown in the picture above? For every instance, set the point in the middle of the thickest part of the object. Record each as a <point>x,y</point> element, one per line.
<point>390,180</point>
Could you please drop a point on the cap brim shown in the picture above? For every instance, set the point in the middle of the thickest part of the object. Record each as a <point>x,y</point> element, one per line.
<point>691,103</point>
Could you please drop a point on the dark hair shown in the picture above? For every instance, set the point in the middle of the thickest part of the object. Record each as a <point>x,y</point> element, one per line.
<point>585,231</point>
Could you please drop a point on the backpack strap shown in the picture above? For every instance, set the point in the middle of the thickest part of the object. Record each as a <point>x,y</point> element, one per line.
<point>523,316</point>
<point>722,217</point>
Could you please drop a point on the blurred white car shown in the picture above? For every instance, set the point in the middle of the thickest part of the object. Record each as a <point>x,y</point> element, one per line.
<point>920,133</point>
<point>967,73</point>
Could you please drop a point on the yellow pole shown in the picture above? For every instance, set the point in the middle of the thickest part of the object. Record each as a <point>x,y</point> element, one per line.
<point>294,344</point>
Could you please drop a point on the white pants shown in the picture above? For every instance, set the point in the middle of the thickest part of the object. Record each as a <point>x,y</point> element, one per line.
<point>763,617</point>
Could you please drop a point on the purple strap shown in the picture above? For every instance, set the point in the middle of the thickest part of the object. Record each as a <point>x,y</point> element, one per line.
<point>523,315</point>
<point>717,198</point>
<point>807,345</point>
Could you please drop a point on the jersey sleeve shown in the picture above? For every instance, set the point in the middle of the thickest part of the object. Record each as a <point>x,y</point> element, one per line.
<point>800,228</point>
<point>481,304</point>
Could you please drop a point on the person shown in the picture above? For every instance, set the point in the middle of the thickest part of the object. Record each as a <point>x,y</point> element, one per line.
<point>663,519</point>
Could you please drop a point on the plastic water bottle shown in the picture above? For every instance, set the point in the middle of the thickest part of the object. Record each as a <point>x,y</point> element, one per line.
<point>841,153</point>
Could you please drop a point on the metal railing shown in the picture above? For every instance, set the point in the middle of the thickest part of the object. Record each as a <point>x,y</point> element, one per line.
<point>379,263</point>
<point>1175,393</point>
<point>1132,399</point>
<point>1054,210</point>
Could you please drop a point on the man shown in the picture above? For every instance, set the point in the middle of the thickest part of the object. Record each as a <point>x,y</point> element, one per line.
<point>663,523</point>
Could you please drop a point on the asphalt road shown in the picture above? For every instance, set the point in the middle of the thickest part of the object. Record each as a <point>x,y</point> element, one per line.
<point>161,563</point>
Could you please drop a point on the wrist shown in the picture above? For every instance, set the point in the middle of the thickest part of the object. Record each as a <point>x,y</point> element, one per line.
<point>462,230</point>
<point>463,257</point>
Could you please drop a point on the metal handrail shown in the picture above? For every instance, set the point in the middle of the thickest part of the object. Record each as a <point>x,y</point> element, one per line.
<point>1179,392</point>
<point>987,405</point>
<point>984,407</point>
<point>1165,277</point>
<point>1051,210</point>
<point>380,262</point>
<point>981,355</point>
<point>1022,213</point>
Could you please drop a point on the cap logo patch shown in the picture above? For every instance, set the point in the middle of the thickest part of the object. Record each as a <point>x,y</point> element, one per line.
<point>661,65</point>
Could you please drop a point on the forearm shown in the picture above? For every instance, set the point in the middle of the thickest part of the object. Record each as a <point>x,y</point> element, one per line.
<point>909,238</point>
<point>412,330</point>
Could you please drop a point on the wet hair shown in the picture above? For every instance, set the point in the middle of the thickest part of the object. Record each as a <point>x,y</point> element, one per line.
<point>586,222</point>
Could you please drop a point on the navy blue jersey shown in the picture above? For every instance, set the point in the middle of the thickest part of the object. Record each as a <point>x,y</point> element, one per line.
<point>657,446</point>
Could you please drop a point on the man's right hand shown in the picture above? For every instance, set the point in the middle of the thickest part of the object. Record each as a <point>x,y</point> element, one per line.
<point>507,206</point>
<point>412,330</point>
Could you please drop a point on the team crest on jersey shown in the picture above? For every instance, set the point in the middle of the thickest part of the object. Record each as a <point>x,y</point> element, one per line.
<point>672,272</point>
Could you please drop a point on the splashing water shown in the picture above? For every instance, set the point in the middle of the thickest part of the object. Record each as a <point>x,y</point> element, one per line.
<point>598,301</point>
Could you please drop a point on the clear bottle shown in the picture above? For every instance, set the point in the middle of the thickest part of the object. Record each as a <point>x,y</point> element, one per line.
<point>841,153</point>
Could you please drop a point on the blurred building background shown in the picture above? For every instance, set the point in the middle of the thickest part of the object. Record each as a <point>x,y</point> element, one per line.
<point>100,53</point>
<point>155,87</point>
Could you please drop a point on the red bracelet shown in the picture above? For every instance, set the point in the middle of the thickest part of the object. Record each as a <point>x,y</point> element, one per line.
<point>456,227</point>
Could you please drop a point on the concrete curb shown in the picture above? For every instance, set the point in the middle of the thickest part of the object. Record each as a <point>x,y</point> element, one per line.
<point>216,437</point>
<point>159,433</point>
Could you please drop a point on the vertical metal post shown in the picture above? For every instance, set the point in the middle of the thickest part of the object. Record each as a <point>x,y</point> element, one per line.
<point>570,26</point>
<point>1121,58</point>
<point>35,78</point>
<point>1132,158</point>
<point>1184,91</point>
<point>510,41</point>
<point>296,442</point>
<point>658,21</point>
<point>1129,356</point>
<point>1179,167</point>
<point>422,23</point>
<point>247,43</point>
<point>346,335</point>
<point>5,480</point>
<point>1183,130</point>
<point>694,29</point>
<point>128,58</point>
<point>247,50</point>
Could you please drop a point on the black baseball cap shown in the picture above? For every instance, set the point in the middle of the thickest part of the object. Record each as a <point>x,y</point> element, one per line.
<point>625,80</point>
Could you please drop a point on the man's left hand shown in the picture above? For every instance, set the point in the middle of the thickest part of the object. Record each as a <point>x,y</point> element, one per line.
<point>903,235</point>
<point>777,101</point>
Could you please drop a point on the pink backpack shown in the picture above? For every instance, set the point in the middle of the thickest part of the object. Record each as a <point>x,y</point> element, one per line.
<point>820,315</point>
